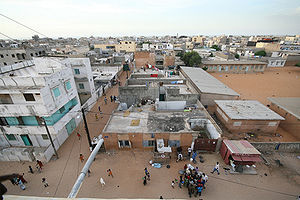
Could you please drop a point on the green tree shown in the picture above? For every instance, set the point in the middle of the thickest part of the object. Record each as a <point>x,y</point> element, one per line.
<point>211,55</point>
<point>260,53</point>
<point>216,47</point>
<point>298,64</point>
<point>237,56</point>
<point>191,59</point>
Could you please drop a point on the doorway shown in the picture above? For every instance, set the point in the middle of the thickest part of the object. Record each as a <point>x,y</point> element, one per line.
<point>26,140</point>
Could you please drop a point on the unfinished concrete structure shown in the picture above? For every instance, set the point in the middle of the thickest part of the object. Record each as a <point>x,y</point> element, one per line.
<point>208,87</point>
<point>152,85</point>
<point>240,116</point>
<point>289,108</point>
<point>30,95</point>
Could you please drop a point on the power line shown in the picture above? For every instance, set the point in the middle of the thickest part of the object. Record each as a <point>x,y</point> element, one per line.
<point>9,37</point>
<point>22,24</point>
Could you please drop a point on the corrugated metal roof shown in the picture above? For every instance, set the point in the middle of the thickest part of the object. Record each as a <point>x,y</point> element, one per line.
<point>290,104</point>
<point>250,109</point>
<point>207,83</point>
<point>241,147</point>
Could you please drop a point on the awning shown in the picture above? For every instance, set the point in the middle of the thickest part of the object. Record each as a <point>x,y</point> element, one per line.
<point>246,158</point>
<point>251,158</point>
<point>236,158</point>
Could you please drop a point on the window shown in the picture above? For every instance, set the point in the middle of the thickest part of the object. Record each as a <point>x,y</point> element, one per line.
<point>5,99</point>
<point>252,67</point>
<point>256,67</point>
<point>1,56</point>
<point>45,137</point>
<point>31,54</point>
<point>29,97</point>
<point>81,86</point>
<point>148,143</point>
<point>62,109</point>
<point>68,85</point>
<point>237,123</point>
<point>4,63</point>
<point>261,67</point>
<point>235,67</point>
<point>10,137</point>
<point>231,67</point>
<point>76,71</point>
<point>174,143</point>
<point>13,55</point>
<point>124,143</point>
<point>56,92</point>
<point>126,42</point>
<point>3,121</point>
<point>240,67</point>
<point>272,123</point>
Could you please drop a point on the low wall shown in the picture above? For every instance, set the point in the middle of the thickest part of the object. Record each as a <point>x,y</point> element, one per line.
<point>290,147</point>
<point>170,105</point>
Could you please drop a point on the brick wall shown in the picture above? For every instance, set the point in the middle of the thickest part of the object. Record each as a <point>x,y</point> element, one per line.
<point>144,57</point>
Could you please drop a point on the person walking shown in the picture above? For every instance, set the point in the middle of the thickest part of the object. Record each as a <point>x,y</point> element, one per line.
<point>105,100</point>
<point>146,170</point>
<point>30,169</point>
<point>110,173</point>
<point>99,108</point>
<point>111,98</point>
<point>40,164</point>
<point>81,158</point>
<point>115,98</point>
<point>45,182</point>
<point>145,180</point>
<point>216,168</point>
<point>78,135</point>
<point>172,184</point>
<point>102,182</point>
<point>189,151</point>
<point>96,117</point>
<point>89,173</point>
<point>180,182</point>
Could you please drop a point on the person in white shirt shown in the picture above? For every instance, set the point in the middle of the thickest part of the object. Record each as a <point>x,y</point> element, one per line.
<point>216,169</point>
<point>190,151</point>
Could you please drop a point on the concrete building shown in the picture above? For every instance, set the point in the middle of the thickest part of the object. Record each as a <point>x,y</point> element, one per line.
<point>276,62</point>
<point>142,58</point>
<point>9,56</point>
<point>121,47</point>
<point>241,66</point>
<point>240,116</point>
<point>208,87</point>
<point>269,47</point>
<point>30,95</point>
<point>289,108</point>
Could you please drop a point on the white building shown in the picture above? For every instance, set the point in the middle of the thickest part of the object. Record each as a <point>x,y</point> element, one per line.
<point>30,94</point>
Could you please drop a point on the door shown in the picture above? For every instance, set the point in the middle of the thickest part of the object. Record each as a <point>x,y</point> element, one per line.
<point>247,68</point>
<point>26,140</point>
<point>220,68</point>
<point>70,126</point>
<point>226,68</point>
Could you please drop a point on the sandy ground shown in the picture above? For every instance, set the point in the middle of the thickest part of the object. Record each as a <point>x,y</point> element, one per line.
<point>274,82</point>
<point>127,168</point>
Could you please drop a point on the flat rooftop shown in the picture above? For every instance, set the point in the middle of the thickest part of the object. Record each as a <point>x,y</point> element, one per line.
<point>152,121</point>
<point>290,104</point>
<point>249,109</point>
<point>207,83</point>
<point>233,62</point>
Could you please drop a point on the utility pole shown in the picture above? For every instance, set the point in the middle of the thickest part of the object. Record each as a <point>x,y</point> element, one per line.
<point>87,130</point>
<point>50,138</point>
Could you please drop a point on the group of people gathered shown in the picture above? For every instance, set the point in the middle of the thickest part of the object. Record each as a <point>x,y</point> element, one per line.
<point>193,180</point>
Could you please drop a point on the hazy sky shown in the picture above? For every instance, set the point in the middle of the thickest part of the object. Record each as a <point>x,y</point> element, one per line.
<point>78,18</point>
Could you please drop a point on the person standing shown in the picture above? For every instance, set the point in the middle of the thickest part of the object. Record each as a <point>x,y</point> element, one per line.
<point>21,177</point>
<point>89,173</point>
<point>189,151</point>
<point>99,108</point>
<point>81,158</point>
<point>145,180</point>
<point>102,182</point>
<point>78,135</point>
<point>216,168</point>
<point>110,173</point>
<point>180,182</point>
<point>105,100</point>
<point>111,98</point>
<point>96,117</point>
<point>30,169</point>
<point>115,98</point>
<point>146,170</point>
<point>45,182</point>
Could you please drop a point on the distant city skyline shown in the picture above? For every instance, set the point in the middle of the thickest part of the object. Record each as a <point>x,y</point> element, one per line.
<point>115,18</point>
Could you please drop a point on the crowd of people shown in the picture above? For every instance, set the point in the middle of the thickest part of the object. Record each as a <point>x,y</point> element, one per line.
<point>192,179</point>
